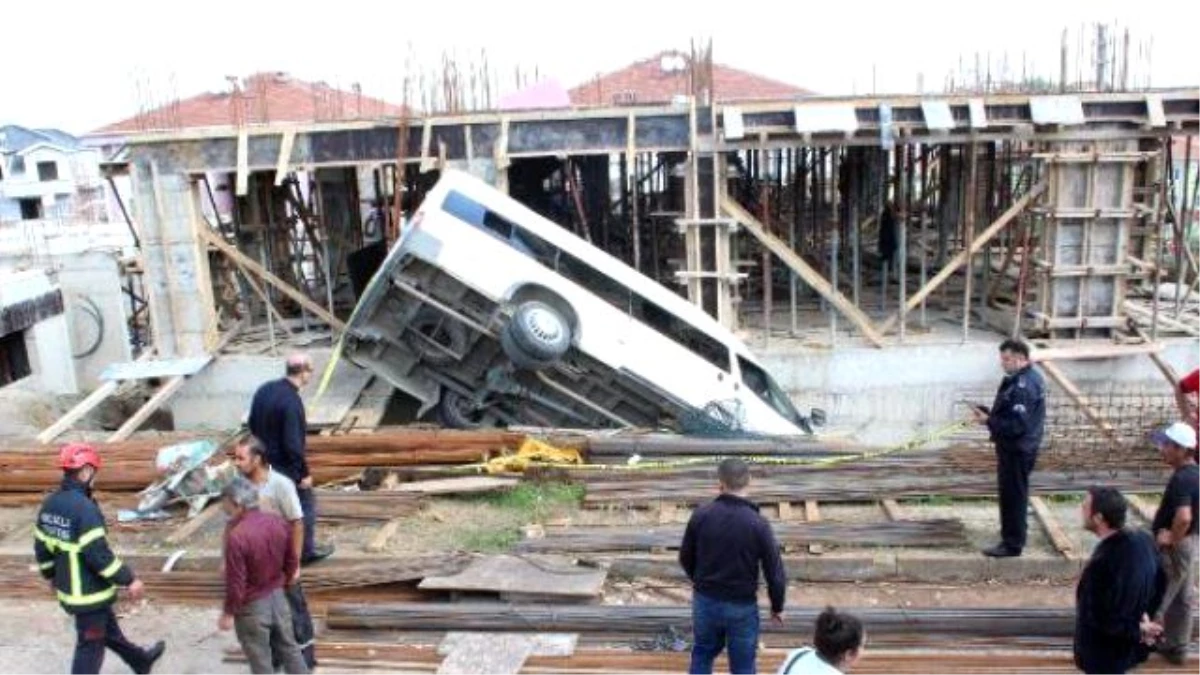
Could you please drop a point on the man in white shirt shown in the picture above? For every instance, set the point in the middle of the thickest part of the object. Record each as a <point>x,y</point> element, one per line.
<point>839,642</point>
<point>277,494</point>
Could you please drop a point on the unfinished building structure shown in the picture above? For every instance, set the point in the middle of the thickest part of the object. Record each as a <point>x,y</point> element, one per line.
<point>815,222</point>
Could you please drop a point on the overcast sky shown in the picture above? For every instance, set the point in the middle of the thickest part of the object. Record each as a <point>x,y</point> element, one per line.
<point>80,65</point>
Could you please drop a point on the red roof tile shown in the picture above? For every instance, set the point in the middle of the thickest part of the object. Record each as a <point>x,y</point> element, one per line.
<point>261,98</point>
<point>648,82</point>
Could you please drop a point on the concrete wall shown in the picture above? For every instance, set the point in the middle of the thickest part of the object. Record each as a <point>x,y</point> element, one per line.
<point>47,342</point>
<point>91,282</point>
<point>219,396</point>
<point>883,394</point>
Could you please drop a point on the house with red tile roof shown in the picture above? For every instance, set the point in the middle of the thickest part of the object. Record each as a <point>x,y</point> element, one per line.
<point>665,77</point>
<point>261,98</point>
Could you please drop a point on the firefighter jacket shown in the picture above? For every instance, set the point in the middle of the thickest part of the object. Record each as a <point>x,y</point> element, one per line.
<point>71,549</point>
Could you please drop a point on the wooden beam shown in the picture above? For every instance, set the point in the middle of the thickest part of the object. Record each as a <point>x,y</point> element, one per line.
<point>164,393</point>
<point>802,269</point>
<point>1163,367</point>
<point>83,407</point>
<point>812,514</point>
<point>194,525</point>
<point>287,289</point>
<point>285,155</point>
<point>243,163</point>
<point>1053,528</point>
<point>963,257</point>
<point>1083,352</point>
<point>262,295</point>
<point>1077,396</point>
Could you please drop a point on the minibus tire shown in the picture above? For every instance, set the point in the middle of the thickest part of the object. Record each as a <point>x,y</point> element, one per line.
<point>518,356</point>
<point>532,334</point>
<point>449,414</point>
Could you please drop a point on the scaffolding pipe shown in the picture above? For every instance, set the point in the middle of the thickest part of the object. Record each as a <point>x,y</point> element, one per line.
<point>969,236</point>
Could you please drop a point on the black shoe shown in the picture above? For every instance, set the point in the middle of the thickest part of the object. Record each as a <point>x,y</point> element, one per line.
<point>153,655</point>
<point>320,552</point>
<point>1001,551</point>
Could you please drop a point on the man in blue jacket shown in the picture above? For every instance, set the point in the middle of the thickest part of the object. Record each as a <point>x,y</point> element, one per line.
<point>277,419</point>
<point>724,545</point>
<point>72,552</point>
<point>1015,422</point>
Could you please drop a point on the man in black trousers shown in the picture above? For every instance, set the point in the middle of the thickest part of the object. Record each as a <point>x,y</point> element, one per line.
<point>277,419</point>
<point>1015,421</point>
<point>1119,589</point>
<point>725,544</point>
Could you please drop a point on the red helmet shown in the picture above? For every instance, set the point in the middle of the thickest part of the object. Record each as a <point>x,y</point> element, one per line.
<point>78,455</point>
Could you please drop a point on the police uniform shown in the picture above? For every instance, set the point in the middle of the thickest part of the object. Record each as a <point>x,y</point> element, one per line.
<point>1016,422</point>
<point>72,551</point>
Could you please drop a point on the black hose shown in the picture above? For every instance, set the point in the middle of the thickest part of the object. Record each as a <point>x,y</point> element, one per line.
<point>92,309</point>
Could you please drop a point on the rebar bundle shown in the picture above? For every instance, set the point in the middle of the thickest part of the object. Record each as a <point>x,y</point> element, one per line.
<point>941,532</point>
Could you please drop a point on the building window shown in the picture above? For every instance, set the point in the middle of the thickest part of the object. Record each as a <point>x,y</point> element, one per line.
<point>18,165</point>
<point>14,359</point>
<point>31,209</point>
<point>47,171</point>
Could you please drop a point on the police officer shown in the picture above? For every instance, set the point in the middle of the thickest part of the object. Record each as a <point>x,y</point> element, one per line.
<point>1015,422</point>
<point>72,552</point>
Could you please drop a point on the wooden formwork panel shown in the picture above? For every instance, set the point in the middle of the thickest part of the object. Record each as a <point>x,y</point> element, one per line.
<point>1088,219</point>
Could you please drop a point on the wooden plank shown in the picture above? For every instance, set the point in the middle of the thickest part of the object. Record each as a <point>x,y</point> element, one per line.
<point>1083,352</point>
<point>806,272</point>
<point>812,514</point>
<point>383,535</point>
<point>77,413</point>
<point>458,486</point>
<point>1077,397</point>
<point>194,525</point>
<point>372,405</point>
<point>488,653</point>
<point>243,161</point>
<point>785,511</point>
<point>549,576</point>
<point>1053,528</point>
<point>891,509</point>
<point>164,393</point>
<point>962,257</point>
<point>287,289</point>
<point>544,644</point>
<point>285,155</point>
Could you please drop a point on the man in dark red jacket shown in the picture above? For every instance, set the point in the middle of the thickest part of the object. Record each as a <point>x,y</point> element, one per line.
<point>259,561</point>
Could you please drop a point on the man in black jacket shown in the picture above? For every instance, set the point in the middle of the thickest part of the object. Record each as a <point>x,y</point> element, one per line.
<point>1119,589</point>
<point>72,552</point>
<point>1015,422</point>
<point>277,419</point>
<point>725,543</point>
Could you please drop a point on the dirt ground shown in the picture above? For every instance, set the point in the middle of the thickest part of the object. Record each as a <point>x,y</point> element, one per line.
<point>40,638</point>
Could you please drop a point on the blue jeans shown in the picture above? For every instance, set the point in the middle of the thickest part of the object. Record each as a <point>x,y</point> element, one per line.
<point>308,503</point>
<point>718,623</point>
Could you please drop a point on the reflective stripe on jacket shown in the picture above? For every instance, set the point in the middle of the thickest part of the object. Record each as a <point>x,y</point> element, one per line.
<point>71,549</point>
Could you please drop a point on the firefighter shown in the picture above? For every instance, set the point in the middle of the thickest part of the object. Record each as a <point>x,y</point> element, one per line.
<point>72,552</point>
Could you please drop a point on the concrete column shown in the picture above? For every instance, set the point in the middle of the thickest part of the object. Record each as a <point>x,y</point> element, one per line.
<point>178,284</point>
